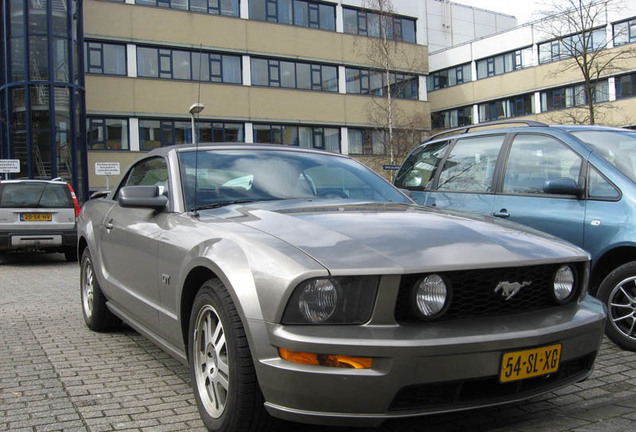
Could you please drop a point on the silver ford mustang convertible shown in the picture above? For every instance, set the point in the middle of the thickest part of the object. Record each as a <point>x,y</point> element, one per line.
<point>299,285</point>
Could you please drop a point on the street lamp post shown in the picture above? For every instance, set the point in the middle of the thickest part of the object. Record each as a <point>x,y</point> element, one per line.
<point>195,108</point>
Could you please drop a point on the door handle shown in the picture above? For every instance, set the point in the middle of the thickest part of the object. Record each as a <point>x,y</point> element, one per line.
<point>503,213</point>
<point>109,225</point>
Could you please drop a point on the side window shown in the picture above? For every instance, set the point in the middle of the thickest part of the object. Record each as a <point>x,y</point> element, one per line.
<point>534,159</point>
<point>148,173</point>
<point>419,169</point>
<point>471,164</point>
<point>600,188</point>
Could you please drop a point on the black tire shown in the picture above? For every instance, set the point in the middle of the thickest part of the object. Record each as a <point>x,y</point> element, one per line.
<point>618,292</point>
<point>70,254</point>
<point>221,368</point>
<point>96,314</point>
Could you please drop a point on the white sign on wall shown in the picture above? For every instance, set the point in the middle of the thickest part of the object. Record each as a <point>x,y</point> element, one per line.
<point>9,165</point>
<point>107,168</point>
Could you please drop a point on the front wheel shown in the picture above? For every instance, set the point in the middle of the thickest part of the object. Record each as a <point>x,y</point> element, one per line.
<point>221,368</point>
<point>618,292</point>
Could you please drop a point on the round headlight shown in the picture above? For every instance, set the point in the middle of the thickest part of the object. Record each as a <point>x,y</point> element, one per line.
<point>563,284</point>
<point>318,300</point>
<point>431,296</point>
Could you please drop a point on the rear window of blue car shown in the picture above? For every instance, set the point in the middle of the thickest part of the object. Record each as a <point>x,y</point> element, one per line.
<point>34,195</point>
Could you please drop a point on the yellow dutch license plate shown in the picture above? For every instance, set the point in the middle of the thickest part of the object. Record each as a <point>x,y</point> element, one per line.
<point>36,217</point>
<point>520,365</point>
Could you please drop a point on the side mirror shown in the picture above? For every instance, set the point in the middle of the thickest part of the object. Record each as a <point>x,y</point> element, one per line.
<point>142,197</point>
<point>562,186</point>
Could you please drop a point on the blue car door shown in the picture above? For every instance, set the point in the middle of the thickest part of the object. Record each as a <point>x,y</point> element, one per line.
<point>532,161</point>
<point>464,179</point>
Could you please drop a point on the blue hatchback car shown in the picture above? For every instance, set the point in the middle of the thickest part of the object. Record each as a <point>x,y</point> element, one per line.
<point>574,182</point>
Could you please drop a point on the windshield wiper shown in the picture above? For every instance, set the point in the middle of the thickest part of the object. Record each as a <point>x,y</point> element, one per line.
<point>221,204</point>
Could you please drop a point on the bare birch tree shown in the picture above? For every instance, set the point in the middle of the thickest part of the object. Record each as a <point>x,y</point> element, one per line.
<point>399,128</point>
<point>577,31</point>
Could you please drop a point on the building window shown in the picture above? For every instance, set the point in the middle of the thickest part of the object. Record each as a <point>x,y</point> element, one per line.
<point>371,82</point>
<point>367,23</point>
<point>300,13</point>
<point>107,133</point>
<point>214,7</point>
<point>625,32</point>
<point>452,118</point>
<point>323,138</point>
<point>294,75</point>
<point>366,142</point>
<point>167,63</point>
<point>504,63</point>
<point>572,96</point>
<point>105,58</point>
<point>506,108</point>
<point>161,133</point>
<point>449,77</point>
<point>626,86</point>
<point>570,46</point>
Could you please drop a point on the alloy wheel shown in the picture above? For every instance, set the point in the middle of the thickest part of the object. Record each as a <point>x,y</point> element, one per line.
<point>622,307</point>
<point>211,361</point>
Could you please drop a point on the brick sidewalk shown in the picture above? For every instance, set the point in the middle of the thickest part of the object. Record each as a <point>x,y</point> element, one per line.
<point>55,374</point>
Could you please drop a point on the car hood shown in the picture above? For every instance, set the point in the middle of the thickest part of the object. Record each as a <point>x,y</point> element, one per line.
<point>398,238</point>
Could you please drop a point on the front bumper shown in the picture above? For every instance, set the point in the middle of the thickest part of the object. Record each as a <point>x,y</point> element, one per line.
<point>421,369</point>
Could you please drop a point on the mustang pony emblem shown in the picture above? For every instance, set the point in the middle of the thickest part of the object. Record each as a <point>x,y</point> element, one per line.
<point>509,289</point>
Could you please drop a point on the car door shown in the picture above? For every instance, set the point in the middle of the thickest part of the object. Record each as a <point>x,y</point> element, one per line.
<point>606,214</point>
<point>418,170</point>
<point>465,181</point>
<point>534,159</point>
<point>129,242</point>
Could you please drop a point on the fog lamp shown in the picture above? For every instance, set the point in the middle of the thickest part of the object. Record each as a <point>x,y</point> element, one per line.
<point>329,360</point>
<point>563,284</point>
<point>431,297</point>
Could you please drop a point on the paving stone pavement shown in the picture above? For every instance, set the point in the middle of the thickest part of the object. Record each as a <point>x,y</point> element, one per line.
<point>56,375</point>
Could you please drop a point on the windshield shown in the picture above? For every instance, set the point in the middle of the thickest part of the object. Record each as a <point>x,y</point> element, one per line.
<point>230,176</point>
<point>616,147</point>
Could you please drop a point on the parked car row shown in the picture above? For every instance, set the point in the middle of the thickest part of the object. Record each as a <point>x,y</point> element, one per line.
<point>574,182</point>
<point>299,285</point>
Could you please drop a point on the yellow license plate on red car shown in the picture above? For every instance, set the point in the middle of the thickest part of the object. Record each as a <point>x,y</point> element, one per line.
<point>531,363</point>
<point>36,217</point>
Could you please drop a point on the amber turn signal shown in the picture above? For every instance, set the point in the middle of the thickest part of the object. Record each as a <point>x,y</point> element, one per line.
<point>339,361</point>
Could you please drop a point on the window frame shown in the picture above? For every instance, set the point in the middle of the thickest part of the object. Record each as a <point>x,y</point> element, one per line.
<point>619,85</point>
<point>400,83</point>
<point>313,13</point>
<point>316,73</point>
<point>101,121</point>
<point>494,181</point>
<point>558,47</point>
<point>165,60</point>
<point>365,17</point>
<point>213,6</point>
<point>278,130</point>
<point>98,46</point>
<point>505,160</point>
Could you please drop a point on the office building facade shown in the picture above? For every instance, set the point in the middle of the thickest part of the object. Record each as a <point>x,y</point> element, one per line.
<point>527,73</point>
<point>121,76</point>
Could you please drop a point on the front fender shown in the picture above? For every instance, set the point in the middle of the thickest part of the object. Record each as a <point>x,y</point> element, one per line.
<point>258,276</point>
